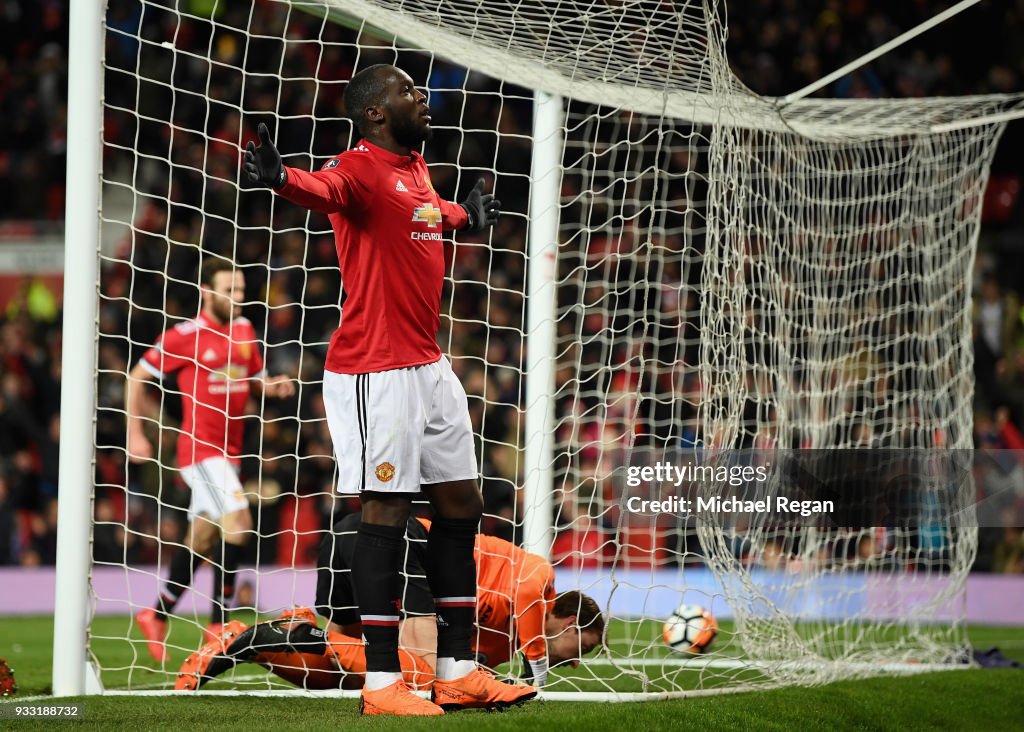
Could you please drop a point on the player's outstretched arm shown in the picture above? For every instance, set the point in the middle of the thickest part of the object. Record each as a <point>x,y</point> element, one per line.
<point>482,208</point>
<point>263,162</point>
<point>325,191</point>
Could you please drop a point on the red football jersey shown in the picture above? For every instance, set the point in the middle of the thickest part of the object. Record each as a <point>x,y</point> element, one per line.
<point>215,364</point>
<point>387,222</point>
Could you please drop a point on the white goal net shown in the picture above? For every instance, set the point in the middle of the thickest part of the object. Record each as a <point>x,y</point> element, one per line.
<point>735,283</point>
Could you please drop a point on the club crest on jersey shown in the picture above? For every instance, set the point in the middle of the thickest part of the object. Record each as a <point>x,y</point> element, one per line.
<point>385,472</point>
<point>427,213</point>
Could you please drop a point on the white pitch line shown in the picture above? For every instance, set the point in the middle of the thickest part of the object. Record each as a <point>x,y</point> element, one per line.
<point>737,663</point>
<point>682,663</point>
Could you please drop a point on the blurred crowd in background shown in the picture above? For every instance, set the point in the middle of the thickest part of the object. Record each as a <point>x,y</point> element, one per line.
<point>187,201</point>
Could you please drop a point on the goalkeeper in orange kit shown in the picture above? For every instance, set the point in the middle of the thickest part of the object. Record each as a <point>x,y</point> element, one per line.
<point>517,610</point>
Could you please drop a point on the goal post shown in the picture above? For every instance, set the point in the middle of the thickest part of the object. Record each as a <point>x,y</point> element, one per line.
<point>684,272</point>
<point>78,378</point>
<point>541,303</point>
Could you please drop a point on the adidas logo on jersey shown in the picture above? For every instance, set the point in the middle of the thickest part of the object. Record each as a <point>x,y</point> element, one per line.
<point>400,186</point>
<point>209,355</point>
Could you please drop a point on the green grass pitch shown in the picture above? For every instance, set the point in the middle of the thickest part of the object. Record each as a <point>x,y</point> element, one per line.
<point>974,699</point>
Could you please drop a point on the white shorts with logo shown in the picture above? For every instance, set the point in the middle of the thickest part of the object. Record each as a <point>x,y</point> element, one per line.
<point>394,431</point>
<point>216,490</point>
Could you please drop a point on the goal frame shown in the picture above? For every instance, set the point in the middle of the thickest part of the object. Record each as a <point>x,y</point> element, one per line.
<point>73,673</point>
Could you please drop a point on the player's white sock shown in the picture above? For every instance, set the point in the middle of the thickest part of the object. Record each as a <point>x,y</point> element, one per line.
<point>448,669</point>
<point>379,679</point>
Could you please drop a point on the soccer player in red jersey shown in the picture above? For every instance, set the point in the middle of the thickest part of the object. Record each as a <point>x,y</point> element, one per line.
<point>218,361</point>
<point>398,416</point>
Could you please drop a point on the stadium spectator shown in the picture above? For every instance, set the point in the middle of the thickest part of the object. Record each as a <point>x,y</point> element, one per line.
<point>996,326</point>
<point>7,524</point>
<point>775,46</point>
<point>218,361</point>
<point>1008,554</point>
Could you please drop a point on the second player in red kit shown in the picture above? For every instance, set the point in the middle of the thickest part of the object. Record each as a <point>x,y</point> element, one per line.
<point>218,363</point>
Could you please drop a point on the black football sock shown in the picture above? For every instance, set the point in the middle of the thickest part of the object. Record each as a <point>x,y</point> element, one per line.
<point>378,587</point>
<point>451,572</point>
<point>224,575</point>
<point>217,605</point>
<point>183,566</point>
<point>217,596</point>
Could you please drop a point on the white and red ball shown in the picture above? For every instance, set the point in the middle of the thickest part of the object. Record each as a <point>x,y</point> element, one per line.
<point>690,629</point>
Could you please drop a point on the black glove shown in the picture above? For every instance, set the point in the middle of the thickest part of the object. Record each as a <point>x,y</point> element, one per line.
<point>263,163</point>
<point>483,208</point>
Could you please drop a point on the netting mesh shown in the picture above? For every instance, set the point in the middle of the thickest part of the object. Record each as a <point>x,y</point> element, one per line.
<point>843,324</point>
<point>631,44</point>
<point>856,310</point>
<point>729,276</point>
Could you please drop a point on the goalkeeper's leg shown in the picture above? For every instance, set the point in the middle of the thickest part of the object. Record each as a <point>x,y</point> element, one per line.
<point>342,665</point>
<point>294,634</point>
<point>294,649</point>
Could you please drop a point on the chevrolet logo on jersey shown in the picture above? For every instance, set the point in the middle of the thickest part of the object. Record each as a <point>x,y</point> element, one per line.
<point>427,213</point>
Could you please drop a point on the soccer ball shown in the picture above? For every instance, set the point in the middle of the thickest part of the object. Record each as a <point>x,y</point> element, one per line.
<point>690,629</point>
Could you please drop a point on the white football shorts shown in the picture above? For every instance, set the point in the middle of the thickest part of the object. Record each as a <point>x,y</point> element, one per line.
<point>394,431</point>
<point>216,490</point>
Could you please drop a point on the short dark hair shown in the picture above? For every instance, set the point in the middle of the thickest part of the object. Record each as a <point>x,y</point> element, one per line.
<point>365,89</point>
<point>212,266</point>
<point>588,614</point>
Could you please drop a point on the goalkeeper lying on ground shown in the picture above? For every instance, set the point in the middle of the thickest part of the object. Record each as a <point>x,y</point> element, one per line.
<point>517,610</point>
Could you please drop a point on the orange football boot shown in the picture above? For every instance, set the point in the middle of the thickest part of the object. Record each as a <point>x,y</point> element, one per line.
<point>212,632</point>
<point>479,690</point>
<point>399,700</point>
<point>298,613</point>
<point>196,670</point>
<point>154,630</point>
